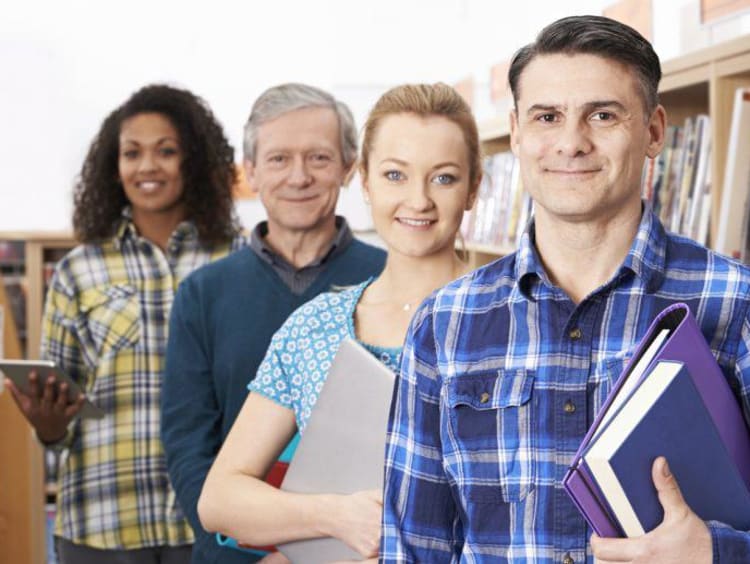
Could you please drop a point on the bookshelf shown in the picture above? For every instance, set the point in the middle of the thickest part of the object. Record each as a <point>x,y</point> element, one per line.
<point>22,522</point>
<point>703,81</point>
<point>32,258</point>
<point>26,263</point>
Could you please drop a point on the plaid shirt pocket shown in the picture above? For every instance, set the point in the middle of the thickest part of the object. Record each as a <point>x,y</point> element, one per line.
<point>113,318</point>
<point>492,435</point>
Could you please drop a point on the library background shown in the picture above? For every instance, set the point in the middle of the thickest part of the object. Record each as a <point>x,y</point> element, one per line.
<point>700,186</point>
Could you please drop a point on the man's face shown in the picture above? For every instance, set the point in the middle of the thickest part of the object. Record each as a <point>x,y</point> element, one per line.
<point>581,134</point>
<point>298,170</point>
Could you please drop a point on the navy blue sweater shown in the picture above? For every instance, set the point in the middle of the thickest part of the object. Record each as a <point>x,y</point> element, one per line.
<point>221,323</point>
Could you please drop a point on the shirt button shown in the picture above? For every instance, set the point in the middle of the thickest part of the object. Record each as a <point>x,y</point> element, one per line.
<point>568,559</point>
<point>569,407</point>
<point>575,334</point>
<point>484,398</point>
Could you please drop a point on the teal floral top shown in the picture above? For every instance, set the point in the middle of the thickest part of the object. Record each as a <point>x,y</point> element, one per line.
<point>302,350</point>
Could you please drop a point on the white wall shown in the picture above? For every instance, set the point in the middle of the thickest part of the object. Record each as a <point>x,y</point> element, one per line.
<point>65,65</point>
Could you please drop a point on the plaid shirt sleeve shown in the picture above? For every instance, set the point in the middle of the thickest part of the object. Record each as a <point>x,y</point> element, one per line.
<point>420,522</point>
<point>61,342</point>
<point>730,545</point>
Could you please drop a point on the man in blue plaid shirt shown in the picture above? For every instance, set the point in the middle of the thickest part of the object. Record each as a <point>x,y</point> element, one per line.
<point>504,370</point>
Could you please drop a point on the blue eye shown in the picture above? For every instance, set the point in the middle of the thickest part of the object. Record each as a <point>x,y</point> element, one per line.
<point>445,179</point>
<point>393,175</point>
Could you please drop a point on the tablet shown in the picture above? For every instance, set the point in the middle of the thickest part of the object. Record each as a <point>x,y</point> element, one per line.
<point>343,447</point>
<point>18,372</point>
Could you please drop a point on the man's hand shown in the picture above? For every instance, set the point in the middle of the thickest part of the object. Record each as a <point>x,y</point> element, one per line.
<point>681,537</point>
<point>46,407</point>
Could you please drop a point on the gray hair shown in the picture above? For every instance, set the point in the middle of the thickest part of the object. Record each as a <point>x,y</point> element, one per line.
<point>289,97</point>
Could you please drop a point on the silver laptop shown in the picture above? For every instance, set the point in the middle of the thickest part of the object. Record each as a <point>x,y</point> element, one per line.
<point>343,447</point>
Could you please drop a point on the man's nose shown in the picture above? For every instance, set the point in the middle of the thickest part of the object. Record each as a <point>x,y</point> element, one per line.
<point>299,174</point>
<point>574,139</point>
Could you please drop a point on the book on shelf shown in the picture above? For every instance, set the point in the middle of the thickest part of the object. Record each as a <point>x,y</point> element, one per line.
<point>671,383</point>
<point>735,196</point>
<point>699,190</point>
<point>677,182</point>
<point>501,209</point>
<point>15,293</point>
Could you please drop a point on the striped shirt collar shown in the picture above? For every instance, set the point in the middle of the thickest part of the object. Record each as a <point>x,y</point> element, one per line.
<point>646,258</point>
<point>261,248</point>
<point>185,233</point>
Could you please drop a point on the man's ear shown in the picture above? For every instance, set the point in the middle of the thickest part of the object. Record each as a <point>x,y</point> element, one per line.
<point>514,141</point>
<point>657,126</point>
<point>249,169</point>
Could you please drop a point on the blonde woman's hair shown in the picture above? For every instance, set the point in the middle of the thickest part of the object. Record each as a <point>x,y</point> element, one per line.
<point>426,100</point>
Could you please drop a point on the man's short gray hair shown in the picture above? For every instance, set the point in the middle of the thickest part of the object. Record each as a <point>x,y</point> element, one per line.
<point>285,98</point>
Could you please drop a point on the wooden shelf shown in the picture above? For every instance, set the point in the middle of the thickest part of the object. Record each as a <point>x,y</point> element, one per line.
<point>489,249</point>
<point>22,516</point>
<point>22,519</point>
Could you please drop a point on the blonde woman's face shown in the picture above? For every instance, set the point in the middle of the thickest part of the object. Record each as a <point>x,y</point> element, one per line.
<point>418,183</point>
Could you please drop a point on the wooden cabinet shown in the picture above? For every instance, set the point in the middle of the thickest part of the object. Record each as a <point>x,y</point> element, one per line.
<point>29,262</point>
<point>700,82</point>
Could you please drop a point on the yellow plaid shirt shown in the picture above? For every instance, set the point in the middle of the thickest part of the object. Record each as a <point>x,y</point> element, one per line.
<point>105,324</point>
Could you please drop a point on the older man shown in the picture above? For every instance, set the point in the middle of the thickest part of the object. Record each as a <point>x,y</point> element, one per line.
<point>504,370</point>
<point>300,145</point>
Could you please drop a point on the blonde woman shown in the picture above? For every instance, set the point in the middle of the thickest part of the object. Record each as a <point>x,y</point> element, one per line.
<point>420,166</point>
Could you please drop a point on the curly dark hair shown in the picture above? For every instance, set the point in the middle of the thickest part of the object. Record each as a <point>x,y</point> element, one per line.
<point>208,169</point>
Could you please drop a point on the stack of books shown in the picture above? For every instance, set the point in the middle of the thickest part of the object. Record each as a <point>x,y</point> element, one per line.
<point>671,400</point>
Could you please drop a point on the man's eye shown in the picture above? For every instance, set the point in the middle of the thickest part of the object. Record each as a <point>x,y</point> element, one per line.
<point>603,116</point>
<point>393,175</point>
<point>276,158</point>
<point>546,118</point>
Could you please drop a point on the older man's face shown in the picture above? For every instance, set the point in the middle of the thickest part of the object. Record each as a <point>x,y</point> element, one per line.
<point>298,170</point>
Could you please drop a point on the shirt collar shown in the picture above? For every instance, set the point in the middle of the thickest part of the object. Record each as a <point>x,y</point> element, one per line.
<point>185,233</point>
<point>646,257</point>
<point>261,248</point>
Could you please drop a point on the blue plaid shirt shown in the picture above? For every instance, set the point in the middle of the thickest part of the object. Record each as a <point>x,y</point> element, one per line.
<point>502,375</point>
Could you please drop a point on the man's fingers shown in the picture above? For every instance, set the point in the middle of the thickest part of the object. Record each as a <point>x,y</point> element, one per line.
<point>669,492</point>
<point>614,550</point>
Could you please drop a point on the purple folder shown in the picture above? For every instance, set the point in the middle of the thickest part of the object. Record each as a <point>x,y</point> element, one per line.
<point>685,343</point>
